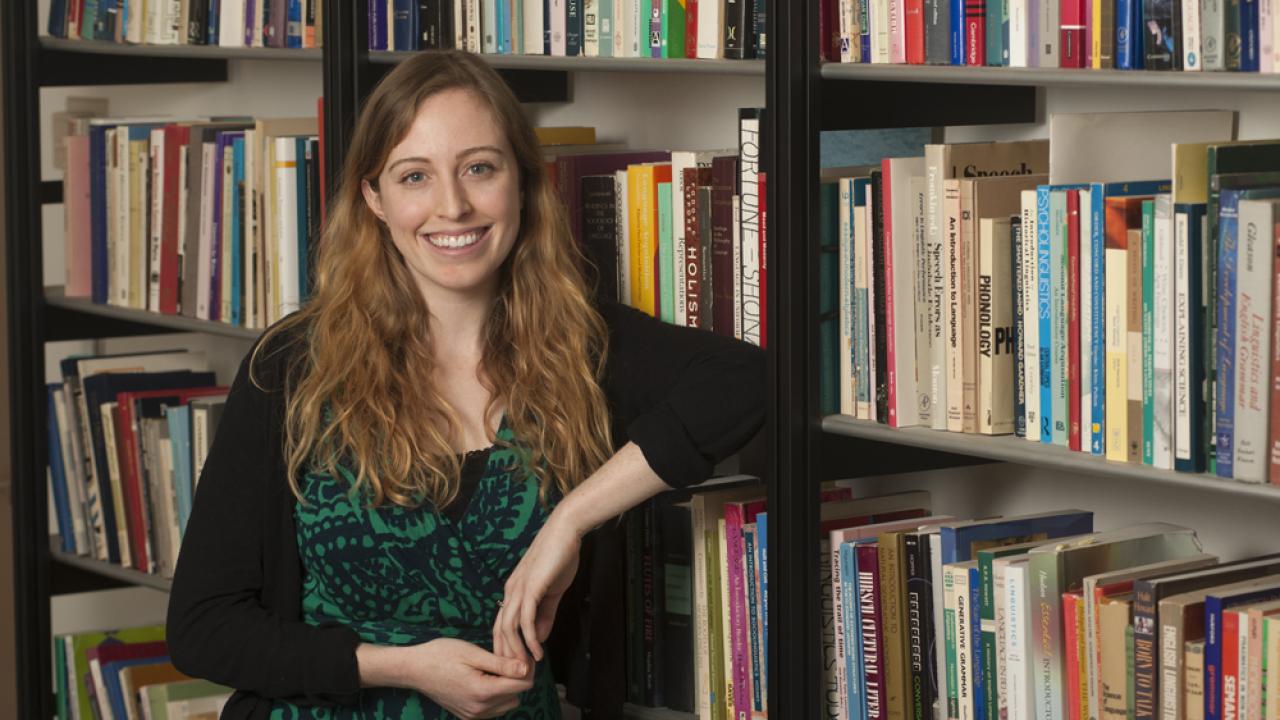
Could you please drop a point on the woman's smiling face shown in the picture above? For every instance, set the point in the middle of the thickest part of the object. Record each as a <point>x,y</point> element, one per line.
<point>450,196</point>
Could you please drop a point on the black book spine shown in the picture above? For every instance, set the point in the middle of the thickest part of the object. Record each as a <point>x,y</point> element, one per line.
<point>732,29</point>
<point>1161,48</point>
<point>706,295</point>
<point>677,627</point>
<point>428,25</point>
<point>760,35</point>
<point>635,608</point>
<point>313,212</point>
<point>599,232</point>
<point>197,14</point>
<point>573,28</point>
<point>878,288</point>
<point>747,27</point>
<point>937,32</point>
<point>918,699</point>
<point>651,605</point>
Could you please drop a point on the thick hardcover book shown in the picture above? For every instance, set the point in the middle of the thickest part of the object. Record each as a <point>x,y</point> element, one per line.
<point>937,32</point>
<point>1255,277</point>
<point>570,169</point>
<point>872,627</point>
<point>879,250</point>
<point>1188,330</point>
<point>1129,35</point>
<point>691,263</point>
<point>750,122</point>
<point>1162,28</point>
<point>995,329</point>
<point>733,29</point>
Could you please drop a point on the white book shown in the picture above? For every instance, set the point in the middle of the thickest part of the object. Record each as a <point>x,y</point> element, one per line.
<point>231,24</point>
<point>846,272</point>
<point>116,508</point>
<point>156,225</point>
<point>1017,637</point>
<point>639,40</point>
<point>145,21</point>
<point>472,9</point>
<point>184,191</point>
<point>1254,277</point>
<point>556,8</point>
<point>847,40</point>
<point>964,615</point>
<point>590,28</point>
<point>737,265</point>
<point>173,31</point>
<point>878,19</point>
<point>1086,320</point>
<point>710,23</point>
<point>204,244</point>
<point>137,217</point>
<point>900,290</point>
<point>488,27</point>
<point>934,157</point>
<point>1047,20</point>
<point>950,219</point>
<point>1162,333</point>
<point>118,215</point>
<point>1182,340</point>
<point>1191,58</point>
<point>1031,313</point>
<point>622,223</point>
<point>1213,34</point>
<point>1019,39</point>
<point>460,24</point>
<point>922,273</point>
<point>619,21</point>
<point>68,445</point>
<point>748,219</point>
<point>533,28</point>
<point>897,33</point>
<point>286,169</point>
<point>1266,36</point>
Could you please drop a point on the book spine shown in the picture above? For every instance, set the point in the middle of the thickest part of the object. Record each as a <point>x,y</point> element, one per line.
<point>1253,298</point>
<point>872,628</point>
<point>1030,338</point>
<point>919,601</point>
<point>923,319</point>
<point>987,633</point>
<point>753,616</point>
<point>1129,32</point>
<point>733,521</point>
<point>880,272</point>
<point>892,604</point>
<point>950,622</point>
<point>1162,334</point>
<point>885,209</point>
<point>840,603</point>
<point>1073,636</point>
<point>1014,667</point>
<point>1189,316</point>
<point>1148,332</point>
<point>1145,677</point>
<point>1097,320</point>
<point>968,320</point>
<point>1044,292</point>
<point>1230,667</point>
<point>954,287</point>
<point>1019,332</point>
<point>1059,388</point>
<point>959,32</point>
<point>1074,388</point>
<point>1133,349</point>
<point>749,189</point>
<point>1213,647</point>
<point>1045,597</point>
<point>1274,465</point>
<point>1248,13</point>
<point>1224,391</point>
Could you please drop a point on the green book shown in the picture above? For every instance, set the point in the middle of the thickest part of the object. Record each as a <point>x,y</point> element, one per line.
<point>60,676</point>
<point>666,257</point>
<point>1148,332</point>
<point>673,19</point>
<point>604,26</point>
<point>1059,383</point>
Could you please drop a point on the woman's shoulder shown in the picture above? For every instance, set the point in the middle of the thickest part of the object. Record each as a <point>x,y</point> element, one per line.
<point>277,352</point>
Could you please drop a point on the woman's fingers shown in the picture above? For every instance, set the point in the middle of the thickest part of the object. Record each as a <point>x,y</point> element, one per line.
<point>528,626</point>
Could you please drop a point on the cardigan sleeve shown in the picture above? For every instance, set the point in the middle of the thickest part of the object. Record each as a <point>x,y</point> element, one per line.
<point>220,625</point>
<point>688,398</point>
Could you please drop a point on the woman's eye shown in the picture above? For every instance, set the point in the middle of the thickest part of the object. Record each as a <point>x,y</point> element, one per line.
<point>483,168</point>
<point>413,178</point>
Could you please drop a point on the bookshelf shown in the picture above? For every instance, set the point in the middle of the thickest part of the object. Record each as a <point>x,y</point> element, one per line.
<point>806,97</point>
<point>40,71</point>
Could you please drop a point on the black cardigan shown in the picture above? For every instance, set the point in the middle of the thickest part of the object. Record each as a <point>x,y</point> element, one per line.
<point>686,397</point>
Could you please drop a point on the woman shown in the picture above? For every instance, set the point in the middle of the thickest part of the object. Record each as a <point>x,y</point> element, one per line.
<point>405,469</point>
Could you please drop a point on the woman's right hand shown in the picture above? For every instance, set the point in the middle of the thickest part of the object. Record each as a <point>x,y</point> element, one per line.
<point>464,679</point>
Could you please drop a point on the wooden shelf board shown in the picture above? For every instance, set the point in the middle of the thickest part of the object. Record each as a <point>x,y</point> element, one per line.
<point>111,570</point>
<point>1007,448</point>
<point>586,64</point>
<point>54,296</point>
<point>1050,76</point>
<point>213,52</point>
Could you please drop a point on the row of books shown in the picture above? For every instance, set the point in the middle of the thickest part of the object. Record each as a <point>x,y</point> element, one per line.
<point>1039,616</point>
<point>128,435</point>
<point>1127,319</point>
<point>709,29</point>
<point>126,675</point>
<point>225,23</point>
<point>206,218</point>
<point>679,235</point>
<point>1191,35</point>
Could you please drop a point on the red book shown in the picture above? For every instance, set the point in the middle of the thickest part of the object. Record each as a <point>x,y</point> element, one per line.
<point>661,174</point>
<point>975,32</point>
<point>129,453</point>
<point>915,31</point>
<point>1230,692</point>
<point>691,29</point>
<point>1071,640</point>
<point>175,145</point>
<point>1073,318</point>
<point>691,265</point>
<point>829,30</point>
<point>872,628</point>
<point>570,169</point>
<point>1275,368</point>
<point>1071,14</point>
<point>891,362</point>
<point>764,265</point>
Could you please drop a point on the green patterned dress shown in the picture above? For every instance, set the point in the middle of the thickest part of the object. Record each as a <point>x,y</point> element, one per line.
<point>402,576</point>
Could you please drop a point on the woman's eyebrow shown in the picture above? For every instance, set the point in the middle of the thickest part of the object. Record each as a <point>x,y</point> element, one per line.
<point>464,153</point>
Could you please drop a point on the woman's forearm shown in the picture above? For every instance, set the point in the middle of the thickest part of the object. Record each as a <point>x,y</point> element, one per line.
<point>624,481</point>
<point>381,666</point>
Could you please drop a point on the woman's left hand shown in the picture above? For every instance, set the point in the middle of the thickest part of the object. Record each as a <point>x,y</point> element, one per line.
<point>534,590</point>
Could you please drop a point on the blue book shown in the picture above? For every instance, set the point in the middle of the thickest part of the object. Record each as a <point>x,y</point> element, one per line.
<point>1214,604</point>
<point>957,32</point>
<point>377,26</point>
<point>1189,376</point>
<point>58,18</point>
<point>114,688</point>
<point>211,22</point>
<point>238,217</point>
<point>975,644</point>
<point>179,419</point>
<point>1249,50</point>
<point>961,540</point>
<point>864,22</point>
<point>58,475</point>
<point>749,570</point>
<point>573,29</point>
<point>854,677</point>
<point>103,388</point>
<point>762,550</point>
<point>403,24</point>
<point>1052,403</point>
<point>104,26</point>
<point>98,251</point>
<point>293,26</point>
<point>1129,31</point>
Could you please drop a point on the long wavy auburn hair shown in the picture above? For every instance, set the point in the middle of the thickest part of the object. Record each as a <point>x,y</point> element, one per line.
<point>361,396</point>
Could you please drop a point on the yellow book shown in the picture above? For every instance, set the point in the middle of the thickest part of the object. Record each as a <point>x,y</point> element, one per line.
<point>1271,668</point>
<point>641,202</point>
<point>139,169</point>
<point>1117,339</point>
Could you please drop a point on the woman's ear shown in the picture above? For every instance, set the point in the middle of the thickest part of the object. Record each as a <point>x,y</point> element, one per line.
<point>372,199</point>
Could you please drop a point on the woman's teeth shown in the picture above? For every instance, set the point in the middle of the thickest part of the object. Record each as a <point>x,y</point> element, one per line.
<point>454,241</point>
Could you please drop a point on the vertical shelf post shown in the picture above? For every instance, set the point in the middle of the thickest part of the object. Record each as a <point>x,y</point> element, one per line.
<point>797,676</point>
<point>23,277</point>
